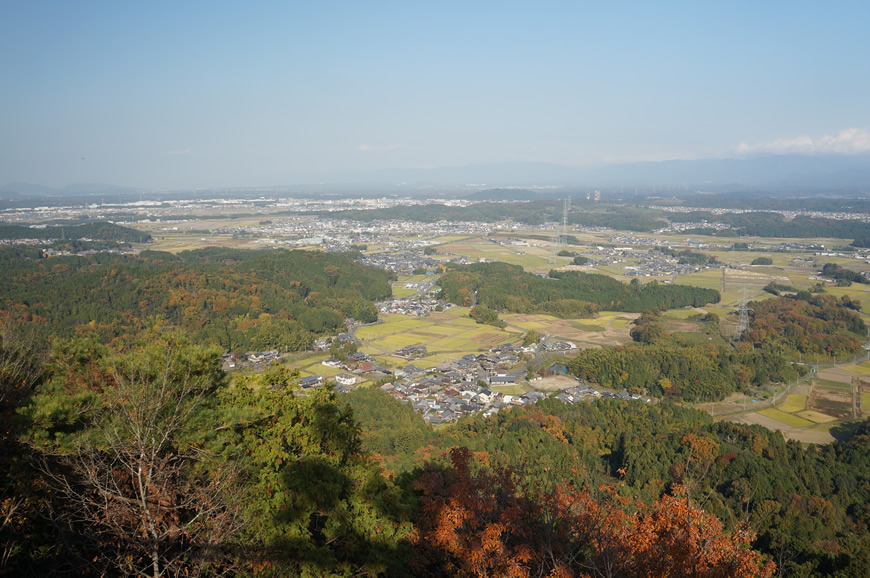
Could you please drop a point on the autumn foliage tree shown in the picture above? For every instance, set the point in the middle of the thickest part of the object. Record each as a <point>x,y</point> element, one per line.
<point>477,523</point>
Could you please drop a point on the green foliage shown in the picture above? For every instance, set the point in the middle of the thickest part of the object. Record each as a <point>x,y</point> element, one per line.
<point>389,428</point>
<point>580,260</point>
<point>316,503</point>
<point>838,273</point>
<point>501,286</point>
<point>536,212</point>
<point>762,261</point>
<point>486,316</point>
<point>101,231</point>
<point>647,328</point>
<point>767,224</point>
<point>239,300</point>
<point>775,288</point>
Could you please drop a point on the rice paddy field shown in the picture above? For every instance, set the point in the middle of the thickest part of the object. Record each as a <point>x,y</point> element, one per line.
<point>813,408</point>
<point>608,328</point>
<point>447,335</point>
<point>534,258</point>
<point>788,419</point>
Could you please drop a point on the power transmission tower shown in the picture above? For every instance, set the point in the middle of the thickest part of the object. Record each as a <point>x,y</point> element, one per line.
<point>566,207</point>
<point>742,316</point>
<point>560,237</point>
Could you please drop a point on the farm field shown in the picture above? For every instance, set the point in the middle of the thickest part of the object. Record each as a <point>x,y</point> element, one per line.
<point>446,335</point>
<point>786,418</point>
<point>794,403</point>
<point>603,330</point>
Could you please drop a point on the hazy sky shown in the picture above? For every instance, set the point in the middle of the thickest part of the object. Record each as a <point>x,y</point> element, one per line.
<point>181,94</point>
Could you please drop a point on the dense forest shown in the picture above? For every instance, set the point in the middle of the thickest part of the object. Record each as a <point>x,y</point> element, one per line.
<point>614,216</point>
<point>144,459</point>
<point>766,224</point>
<point>806,507</point>
<point>501,286</point>
<point>238,299</point>
<point>100,231</point>
<point>817,328</point>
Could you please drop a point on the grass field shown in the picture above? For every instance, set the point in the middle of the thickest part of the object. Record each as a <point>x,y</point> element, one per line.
<point>861,369</point>
<point>794,403</point>
<point>711,279</point>
<point>679,313</point>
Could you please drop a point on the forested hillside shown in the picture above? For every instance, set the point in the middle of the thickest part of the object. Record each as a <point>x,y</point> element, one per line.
<point>773,225</point>
<point>623,217</point>
<point>144,458</point>
<point>95,231</point>
<point>821,328</point>
<point>614,461</point>
<point>501,286</point>
<point>237,299</point>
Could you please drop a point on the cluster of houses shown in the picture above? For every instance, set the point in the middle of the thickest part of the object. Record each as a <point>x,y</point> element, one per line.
<point>401,262</point>
<point>551,345</point>
<point>412,307</point>
<point>440,400</point>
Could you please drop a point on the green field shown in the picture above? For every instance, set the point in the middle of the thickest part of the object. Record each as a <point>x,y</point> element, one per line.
<point>786,418</point>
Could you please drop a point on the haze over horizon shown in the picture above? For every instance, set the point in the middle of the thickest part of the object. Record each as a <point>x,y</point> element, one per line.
<point>203,94</point>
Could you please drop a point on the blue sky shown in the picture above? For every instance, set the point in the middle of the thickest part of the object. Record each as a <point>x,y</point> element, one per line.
<point>186,94</point>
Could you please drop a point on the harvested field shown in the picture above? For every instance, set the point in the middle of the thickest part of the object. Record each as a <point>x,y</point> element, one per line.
<point>553,383</point>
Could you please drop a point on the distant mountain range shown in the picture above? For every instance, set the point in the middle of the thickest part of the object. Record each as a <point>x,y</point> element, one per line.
<point>17,190</point>
<point>793,172</point>
<point>516,181</point>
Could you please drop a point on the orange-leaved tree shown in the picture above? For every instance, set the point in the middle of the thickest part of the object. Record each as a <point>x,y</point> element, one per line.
<point>475,522</point>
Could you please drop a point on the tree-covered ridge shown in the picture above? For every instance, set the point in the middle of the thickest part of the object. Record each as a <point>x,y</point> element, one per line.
<point>766,224</point>
<point>238,299</point>
<point>807,506</point>
<point>501,286</point>
<point>622,217</point>
<point>146,460</point>
<point>101,231</point>
<point>671,368</point>
<point>820,327</point>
